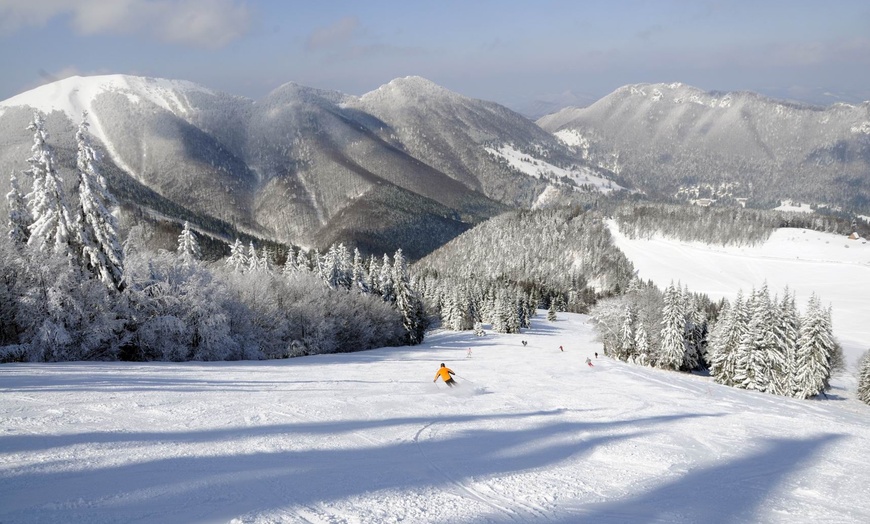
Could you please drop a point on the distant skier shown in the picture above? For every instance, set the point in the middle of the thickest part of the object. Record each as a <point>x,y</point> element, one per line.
<point>468,353</point>
<point>525,343</point>
<point>596,354</point>
<point>446,375</point>
<point>589,362</point>
<point>560,348</point>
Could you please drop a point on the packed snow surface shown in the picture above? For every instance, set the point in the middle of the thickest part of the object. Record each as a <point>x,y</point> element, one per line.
<point>532,434</point>
<point>835,268</point>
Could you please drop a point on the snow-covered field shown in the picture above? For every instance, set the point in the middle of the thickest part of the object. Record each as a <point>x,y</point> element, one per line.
<point>835,268</point>
<point>531,435</point>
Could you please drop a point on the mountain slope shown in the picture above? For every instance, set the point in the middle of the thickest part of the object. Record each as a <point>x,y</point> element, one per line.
<point>664,136</point>
<point>531,434</point>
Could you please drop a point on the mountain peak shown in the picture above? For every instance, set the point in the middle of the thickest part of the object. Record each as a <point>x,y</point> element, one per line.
<point>410,87</point>
<point>74,94</point>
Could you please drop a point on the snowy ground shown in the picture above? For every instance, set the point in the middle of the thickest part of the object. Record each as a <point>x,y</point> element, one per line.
<point>532,435</point>
<point>835,268</point>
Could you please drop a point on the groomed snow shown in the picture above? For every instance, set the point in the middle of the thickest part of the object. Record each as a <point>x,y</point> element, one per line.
<point>832,266</point>
<point>531,435</point>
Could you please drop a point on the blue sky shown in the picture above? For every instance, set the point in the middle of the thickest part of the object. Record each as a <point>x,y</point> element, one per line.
<point>507,51</point>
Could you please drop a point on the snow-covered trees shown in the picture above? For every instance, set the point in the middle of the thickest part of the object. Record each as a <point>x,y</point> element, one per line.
<point>814,351</point>
<point>765,345</point>
<point>238,260</point>
<point>673,345</point>
<point>51,227</point>
<point>407,302</point>
<point>96,226</point>
<point>188,247</point>
<point>19,216</point>
<point>864,378</point>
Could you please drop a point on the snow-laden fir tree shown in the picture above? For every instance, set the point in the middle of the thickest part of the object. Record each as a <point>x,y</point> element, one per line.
<point>551,312</point>
<point>626,348</point>
<point>407,302</point>
<point>253,259</point>
<point>641,343</point>
<point>725,340</point>
<point>672,351</point>
<point>386,285</point>
<point>97,227</point>
<point>786,330</point>
<point>302,262</point>
<point>52,227</point>
<point>238,260</point>
<point>757,344</point>
<point>815,347</point>
<point>359,275</point>
<point>188,247</point>
<point>289,263</point>
<point>864,378</point>
<point>266,261</point>
<point>19,216</point>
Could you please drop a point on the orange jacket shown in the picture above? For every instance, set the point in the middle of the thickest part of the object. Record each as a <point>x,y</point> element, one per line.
<point>444,373</point>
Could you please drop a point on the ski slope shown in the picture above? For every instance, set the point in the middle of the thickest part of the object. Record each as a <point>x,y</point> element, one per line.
<point>832,266</point>
<point>531,435</point>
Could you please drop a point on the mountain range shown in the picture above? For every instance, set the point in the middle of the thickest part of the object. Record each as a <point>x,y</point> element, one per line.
<point>410,164</point>
<point>673,139</point>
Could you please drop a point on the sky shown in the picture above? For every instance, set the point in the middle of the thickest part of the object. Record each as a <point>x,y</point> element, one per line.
<point>510,51</point>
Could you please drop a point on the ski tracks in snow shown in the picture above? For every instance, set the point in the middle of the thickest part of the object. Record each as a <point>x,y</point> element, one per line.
<point>514,509</point>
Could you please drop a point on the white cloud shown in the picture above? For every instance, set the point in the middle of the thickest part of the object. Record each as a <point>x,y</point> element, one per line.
<point>198,23</point>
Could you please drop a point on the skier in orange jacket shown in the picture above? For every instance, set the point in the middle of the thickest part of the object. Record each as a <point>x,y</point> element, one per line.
<point>445,373</point>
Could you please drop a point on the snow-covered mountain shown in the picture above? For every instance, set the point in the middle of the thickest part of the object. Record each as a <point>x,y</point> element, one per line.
<point>662,137</point>
<point>406,165</point>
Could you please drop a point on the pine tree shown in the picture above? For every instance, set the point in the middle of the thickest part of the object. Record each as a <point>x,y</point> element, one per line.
<point>289,264</point>
<point>641,343</point>
<point>757,344</point>
<point>188,248</point>
<point>815,346</point>
<point>407,301</point>
<point>551,312</point>
<point>253,258</point>
<point>359,276</point>
<point>864,378</point>
<point>626,337</point>
<point>386,285</point>
<point>19,216</point>
<point>302,263</point>
<point>237,260</point>
<point>673,350</point>
<point>51,227</point>
<point>786,329</point>
<point>97,227</point>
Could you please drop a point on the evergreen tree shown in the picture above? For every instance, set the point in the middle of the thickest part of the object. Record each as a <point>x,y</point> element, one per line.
<point>725,341</point>
<point>97,227</point>
<point>641,343</point>
<point>51,227</point>
<point>864,378</point>
<point>386,285</point>
<point>289,264</point>
<point>757,345</point>
<point>188,248</point>
<point>302,263</point>
<point>672,352</point>
<point>815,347</point>
<point>551,312</point>
<point>359,275</point>
<point>19,216</point>
<point>253,258</point>
<point>407,301</point>
<point>626,337</point>
<point>786,330</point>
<point>237,260</point>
